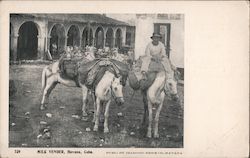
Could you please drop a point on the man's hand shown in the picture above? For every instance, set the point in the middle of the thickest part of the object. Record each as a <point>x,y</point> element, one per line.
<point>156,58</point>
<point>144,75</point>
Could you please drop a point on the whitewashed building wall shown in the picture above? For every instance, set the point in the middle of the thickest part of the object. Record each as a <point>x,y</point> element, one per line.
<point>145,28</point>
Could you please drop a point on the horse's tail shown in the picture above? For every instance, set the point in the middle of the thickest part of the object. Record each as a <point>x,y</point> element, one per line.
<point>44,77</point>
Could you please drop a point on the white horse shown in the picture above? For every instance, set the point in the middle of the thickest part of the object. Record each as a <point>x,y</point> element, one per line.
<point>51,77</point>
<point>108,86</point>
<point>153,98</point>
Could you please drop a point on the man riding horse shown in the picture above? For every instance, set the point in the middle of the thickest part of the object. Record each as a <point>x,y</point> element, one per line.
<point>155,51</point>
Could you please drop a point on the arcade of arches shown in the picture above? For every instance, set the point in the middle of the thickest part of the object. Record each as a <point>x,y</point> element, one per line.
<point>30,39</point>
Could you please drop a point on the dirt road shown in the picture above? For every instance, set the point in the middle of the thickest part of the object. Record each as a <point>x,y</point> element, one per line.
<point>55,127</point>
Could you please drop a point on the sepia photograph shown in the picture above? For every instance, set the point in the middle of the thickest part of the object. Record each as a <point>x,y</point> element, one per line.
<point>124,79</point>
<point>96,80</point>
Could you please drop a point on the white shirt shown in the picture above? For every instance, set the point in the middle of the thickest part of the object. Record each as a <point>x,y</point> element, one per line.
<point>152,50</point>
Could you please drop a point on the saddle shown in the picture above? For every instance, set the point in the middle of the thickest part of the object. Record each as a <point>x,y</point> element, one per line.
<point>68,67</point>
<point>83,71</point>
<point>155,66</point>
<point>90,73</point>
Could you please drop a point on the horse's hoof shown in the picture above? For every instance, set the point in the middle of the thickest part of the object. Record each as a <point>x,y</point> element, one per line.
<point>42,107</point>
<point>84,114</point>
<point>149,135</point>
<point>106,130</point>
<point>156,135</point>
<point>95,129</point>
<point>84,119</point>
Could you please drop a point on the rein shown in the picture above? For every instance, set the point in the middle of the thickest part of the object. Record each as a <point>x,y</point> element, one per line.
<point>112,91</point>
<point>166,90</point>
<point>113,95</point>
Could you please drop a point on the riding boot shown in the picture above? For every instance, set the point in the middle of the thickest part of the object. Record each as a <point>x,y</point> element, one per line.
<point>143,80</point>
<point>166,86</point>
<point>144,75</point>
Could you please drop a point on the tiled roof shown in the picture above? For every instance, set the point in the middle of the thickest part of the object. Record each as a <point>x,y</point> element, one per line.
<point>85,18</point>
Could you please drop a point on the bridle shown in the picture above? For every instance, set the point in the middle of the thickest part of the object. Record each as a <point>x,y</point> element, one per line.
<point>112,90</point>
<point>114,96</point>
<point>167,91</point>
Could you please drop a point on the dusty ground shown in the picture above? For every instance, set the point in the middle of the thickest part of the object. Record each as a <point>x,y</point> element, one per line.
<point>63,130</point>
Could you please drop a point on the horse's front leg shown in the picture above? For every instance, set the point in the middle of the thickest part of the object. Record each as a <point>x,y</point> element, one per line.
<point>150,118</point>
<point>94,102</point>
<point>50,85</point>
<point>97,114</point>
<point>145,102</point>
<point>157,115</point>
<point>106,116</point>
<point>84,100</point>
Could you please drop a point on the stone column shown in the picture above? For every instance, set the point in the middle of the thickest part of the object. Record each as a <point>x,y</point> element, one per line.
<point>93,42</point>
<point>48,43</point>
<point>80,42</point>
<point>88,35</point>
<point>104,41</point>
<point>14,42</point>
<point>88,38</point>
<point>123,37</point>
<point>104,36</point>
<point>40,47</point>
<point>113,41</point>
<point>94,28</point>
<point>65,44</point>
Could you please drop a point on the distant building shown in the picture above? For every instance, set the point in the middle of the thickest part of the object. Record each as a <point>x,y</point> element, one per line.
<point>31,35</point>
<point>170,26</point>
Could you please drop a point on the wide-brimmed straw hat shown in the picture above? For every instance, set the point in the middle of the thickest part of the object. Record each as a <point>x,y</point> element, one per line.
<point>156,35</point>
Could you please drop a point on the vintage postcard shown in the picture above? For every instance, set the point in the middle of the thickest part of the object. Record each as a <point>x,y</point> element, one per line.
<point>124,79</point>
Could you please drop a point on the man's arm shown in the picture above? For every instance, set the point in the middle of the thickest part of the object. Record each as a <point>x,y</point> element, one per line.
<point>163,50</point>
<point>147,51</point>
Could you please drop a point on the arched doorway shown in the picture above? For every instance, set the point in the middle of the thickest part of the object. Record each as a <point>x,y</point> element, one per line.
<point>118,38</point>
<point>73,36</point>
<point>87,37</point>
<point>27,41</point>
<point>99,37</point>
<point>109,38</point>
<point>57,40</point>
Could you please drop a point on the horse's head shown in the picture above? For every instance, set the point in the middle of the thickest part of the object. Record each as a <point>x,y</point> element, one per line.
<point>117,87</point>
<point>171,87</point>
